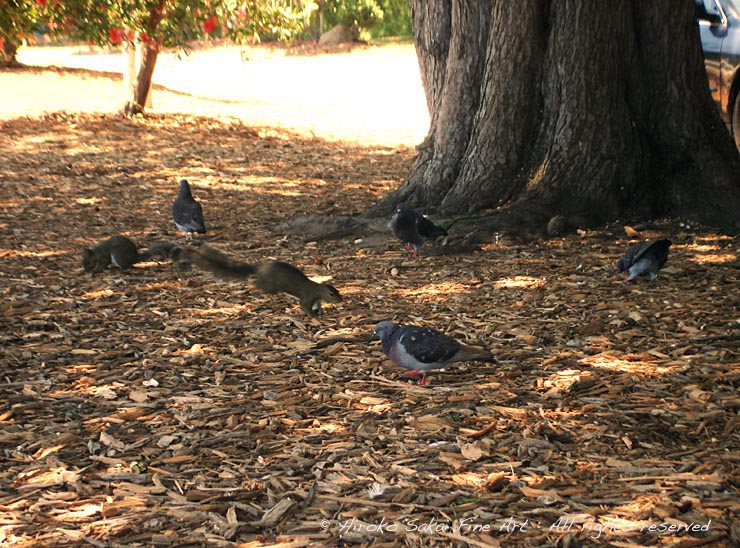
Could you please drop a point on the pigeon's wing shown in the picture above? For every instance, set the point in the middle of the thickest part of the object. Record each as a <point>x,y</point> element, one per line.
<point>404,226</point>
<point>188,215</point>
<point>395,224</point>
<point>427,228</point>
<point>657,251</point>
<point>197,217</point>
<point>427,345</point>
<point>632,254</point>
<point>179,215</point>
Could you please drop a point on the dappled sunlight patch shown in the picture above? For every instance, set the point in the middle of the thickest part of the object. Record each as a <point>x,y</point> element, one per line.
<point>701,248</point>
<point>714,258</point>
<point>156,286</point>
<point>328,427</point>
<point>89,201</point>
<point>81,368</point>
<point>44,452</point>
<point>224,310</point>
<point>272,185</point>
<point>31,143</point>
<point>435,290</point>
<point>321,279</point>
<point>86,386</point>
<point>45,477</point>
<point>77,512</point>
<point>98,294</point>
<point>635,364</point>
<point>520,282</point>
<point>374,405</point>
<point>562,381</point>
<point>480,480</point>
<point>11,253</point>
<point>194,350</point>
<point>10,203</point>
<point>709,251</point>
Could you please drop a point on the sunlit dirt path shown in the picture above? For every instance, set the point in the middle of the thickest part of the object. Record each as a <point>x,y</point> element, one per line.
<point>370,95</point>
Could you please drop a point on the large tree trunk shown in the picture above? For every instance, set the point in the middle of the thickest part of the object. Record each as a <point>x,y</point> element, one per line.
<point>590,110</point>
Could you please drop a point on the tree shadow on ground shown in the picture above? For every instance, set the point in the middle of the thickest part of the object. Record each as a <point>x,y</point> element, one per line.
<point>153,406</point>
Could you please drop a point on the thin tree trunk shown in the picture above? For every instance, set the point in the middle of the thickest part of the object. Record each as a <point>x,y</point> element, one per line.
<point>134,54</point>
<point>143,80</point>
<point>8,57</point>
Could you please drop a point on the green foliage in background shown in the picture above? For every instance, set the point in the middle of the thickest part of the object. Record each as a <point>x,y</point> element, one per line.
<point>175,23</point>
<point>396,19</point>
<point>171,23</point>
<point>359,15</point>
<point>18,20</point>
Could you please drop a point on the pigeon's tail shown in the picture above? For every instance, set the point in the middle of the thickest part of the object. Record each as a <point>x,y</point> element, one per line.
<point>470,354</point>
<point>438,232</point>
<point>198,224</point>
<point>658,251</point>
<point>216,262</point>
<point>428,229</point>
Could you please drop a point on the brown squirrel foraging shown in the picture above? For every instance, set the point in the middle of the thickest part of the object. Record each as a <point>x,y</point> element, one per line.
<point>120,251</point>
<point>271,276</point>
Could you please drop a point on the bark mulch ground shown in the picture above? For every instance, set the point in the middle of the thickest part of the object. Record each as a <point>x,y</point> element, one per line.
<point>155,407</point>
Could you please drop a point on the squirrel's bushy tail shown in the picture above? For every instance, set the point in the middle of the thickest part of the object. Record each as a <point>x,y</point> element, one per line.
<point>166,249</point>
<point>215,261</point>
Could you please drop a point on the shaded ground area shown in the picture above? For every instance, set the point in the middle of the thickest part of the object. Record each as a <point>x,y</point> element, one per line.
<point>159,408</point>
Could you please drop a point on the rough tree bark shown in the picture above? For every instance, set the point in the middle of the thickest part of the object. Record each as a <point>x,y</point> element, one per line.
<point>590,110</point>
<point>143,78</point>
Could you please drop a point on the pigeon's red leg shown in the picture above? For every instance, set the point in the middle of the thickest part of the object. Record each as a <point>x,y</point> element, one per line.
<point>408,246</point>
<point>412,373</point>
<point>423,380</point>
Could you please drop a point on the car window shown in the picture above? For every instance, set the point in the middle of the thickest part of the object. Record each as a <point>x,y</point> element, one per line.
<point>731,6</point>
<point>708,10</point>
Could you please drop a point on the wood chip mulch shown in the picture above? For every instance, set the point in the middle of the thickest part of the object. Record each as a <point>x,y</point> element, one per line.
<point>155,407</point>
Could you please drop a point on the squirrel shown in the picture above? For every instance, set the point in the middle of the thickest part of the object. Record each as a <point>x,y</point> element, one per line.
<point>271,276</point>
<point>121,252</point>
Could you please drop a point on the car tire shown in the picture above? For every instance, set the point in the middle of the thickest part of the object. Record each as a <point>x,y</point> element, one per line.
<point>736,121</point>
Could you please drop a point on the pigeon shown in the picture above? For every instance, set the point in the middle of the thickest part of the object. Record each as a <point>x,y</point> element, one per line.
<point>187,213</point>
<point>420,349</point>
<point>644,259</point>
<point>413,228</point>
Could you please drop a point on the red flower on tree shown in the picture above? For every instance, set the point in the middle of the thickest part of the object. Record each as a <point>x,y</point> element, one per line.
<point>210,24</point>
<point>116,35</point>
<point>41,2</point>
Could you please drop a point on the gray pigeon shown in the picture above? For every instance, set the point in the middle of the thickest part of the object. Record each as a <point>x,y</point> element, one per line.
<point>644,259</point>
<point>420,349</point>
<point>187,213</point>
<point>413,228</point>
